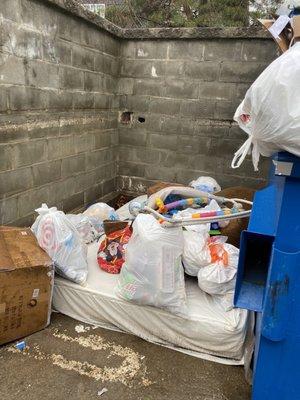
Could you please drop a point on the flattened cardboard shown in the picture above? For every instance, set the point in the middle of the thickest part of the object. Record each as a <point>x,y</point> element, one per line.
<point>26,283</point>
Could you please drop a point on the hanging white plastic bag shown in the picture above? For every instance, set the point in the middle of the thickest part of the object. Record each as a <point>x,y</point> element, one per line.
<point>99,212</point>
<point>196,253</point>
<point>270,112</point>
<point>84,227</point>
<point>152,273</point>
<point>61,240</point>
<point>219,277</point>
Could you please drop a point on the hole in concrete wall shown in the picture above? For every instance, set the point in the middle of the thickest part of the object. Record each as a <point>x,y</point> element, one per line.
<point>126,117</point>
<point>141,119</point>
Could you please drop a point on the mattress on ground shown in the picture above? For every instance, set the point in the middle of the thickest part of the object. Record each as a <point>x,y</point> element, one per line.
<point>208,330</point>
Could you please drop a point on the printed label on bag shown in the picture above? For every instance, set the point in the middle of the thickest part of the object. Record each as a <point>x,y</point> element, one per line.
<point>35,293</point>
<point>168,264</point>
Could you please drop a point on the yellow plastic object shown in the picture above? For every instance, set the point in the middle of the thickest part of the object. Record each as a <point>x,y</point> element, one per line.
<point>160,205</point>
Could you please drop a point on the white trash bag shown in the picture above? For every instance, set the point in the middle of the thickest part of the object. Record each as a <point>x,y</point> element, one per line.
<point>152,273</point>
<point>196,253</point>
<point>270,112</point>
<point>84,227</point>
<point>206,184</point>
<point>99,212</point>
<point>225,300</point>
<point>218,278</point>
<point>61,240</point>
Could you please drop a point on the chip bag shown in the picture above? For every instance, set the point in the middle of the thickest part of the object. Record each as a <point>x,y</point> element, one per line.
<point>112,250</point>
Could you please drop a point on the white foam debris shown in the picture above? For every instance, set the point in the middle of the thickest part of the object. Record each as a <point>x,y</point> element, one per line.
<point>129,368</point>
<point>82,328</point>
<point>101,392</point>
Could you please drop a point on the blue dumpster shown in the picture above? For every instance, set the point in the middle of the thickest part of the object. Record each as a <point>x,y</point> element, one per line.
<point>268,281</point>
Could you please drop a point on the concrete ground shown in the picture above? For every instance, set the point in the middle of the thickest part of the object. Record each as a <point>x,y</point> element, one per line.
<point>69,360</point>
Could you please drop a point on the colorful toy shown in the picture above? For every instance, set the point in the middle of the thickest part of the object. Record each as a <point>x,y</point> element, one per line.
<point>220,213</point>
<point>165,212</point>
<point>184,203</point>
<point>160,205</point>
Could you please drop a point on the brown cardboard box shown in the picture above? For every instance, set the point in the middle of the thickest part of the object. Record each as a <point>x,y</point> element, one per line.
<point>26,282</point>
<point>296,26</point>
<point>159,186</point>
<point>236,226</point>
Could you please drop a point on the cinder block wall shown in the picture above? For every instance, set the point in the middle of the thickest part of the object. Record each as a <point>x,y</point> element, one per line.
<point>66,75</point>
<point>187,91</point>
<point>58,114</point>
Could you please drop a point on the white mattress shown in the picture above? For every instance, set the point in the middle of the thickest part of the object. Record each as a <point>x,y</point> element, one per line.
<point>208,332</point>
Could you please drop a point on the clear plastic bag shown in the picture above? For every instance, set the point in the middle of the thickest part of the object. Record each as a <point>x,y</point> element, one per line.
<point>270,112</point>
<point>205,184</point>
<point>152,273</point>
<point>61,240</point>
<point>99,212</point>
<point>219,277</point>
<point>84,227</point>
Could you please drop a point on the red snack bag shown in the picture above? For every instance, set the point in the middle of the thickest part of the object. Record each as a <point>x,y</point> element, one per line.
<point>112,250</point>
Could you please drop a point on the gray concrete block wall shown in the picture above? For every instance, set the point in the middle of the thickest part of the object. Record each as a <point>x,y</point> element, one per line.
<point>58,116</point>
<point>64,81</point>
<point>187,91</point>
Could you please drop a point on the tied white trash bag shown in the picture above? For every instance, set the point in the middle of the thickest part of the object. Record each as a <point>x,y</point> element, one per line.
<point>61,240</point>
<point>152,273</point>
<point>270,112</point>
<point>196,253</point>
<point>219,277</point>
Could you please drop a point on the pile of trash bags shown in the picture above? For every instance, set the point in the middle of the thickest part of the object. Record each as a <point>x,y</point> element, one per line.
<point>157,259</point>
<point>151,260</point>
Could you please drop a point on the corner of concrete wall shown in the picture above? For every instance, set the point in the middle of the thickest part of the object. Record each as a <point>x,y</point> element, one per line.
<point>67,75</point>
<point>58,110</point>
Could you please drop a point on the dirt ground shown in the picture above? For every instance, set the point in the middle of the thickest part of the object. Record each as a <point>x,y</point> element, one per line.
<point>69,360</point>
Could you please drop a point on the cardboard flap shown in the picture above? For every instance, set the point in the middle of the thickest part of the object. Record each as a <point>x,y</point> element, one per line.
<point>282,41</point>
<point>19,249</point>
